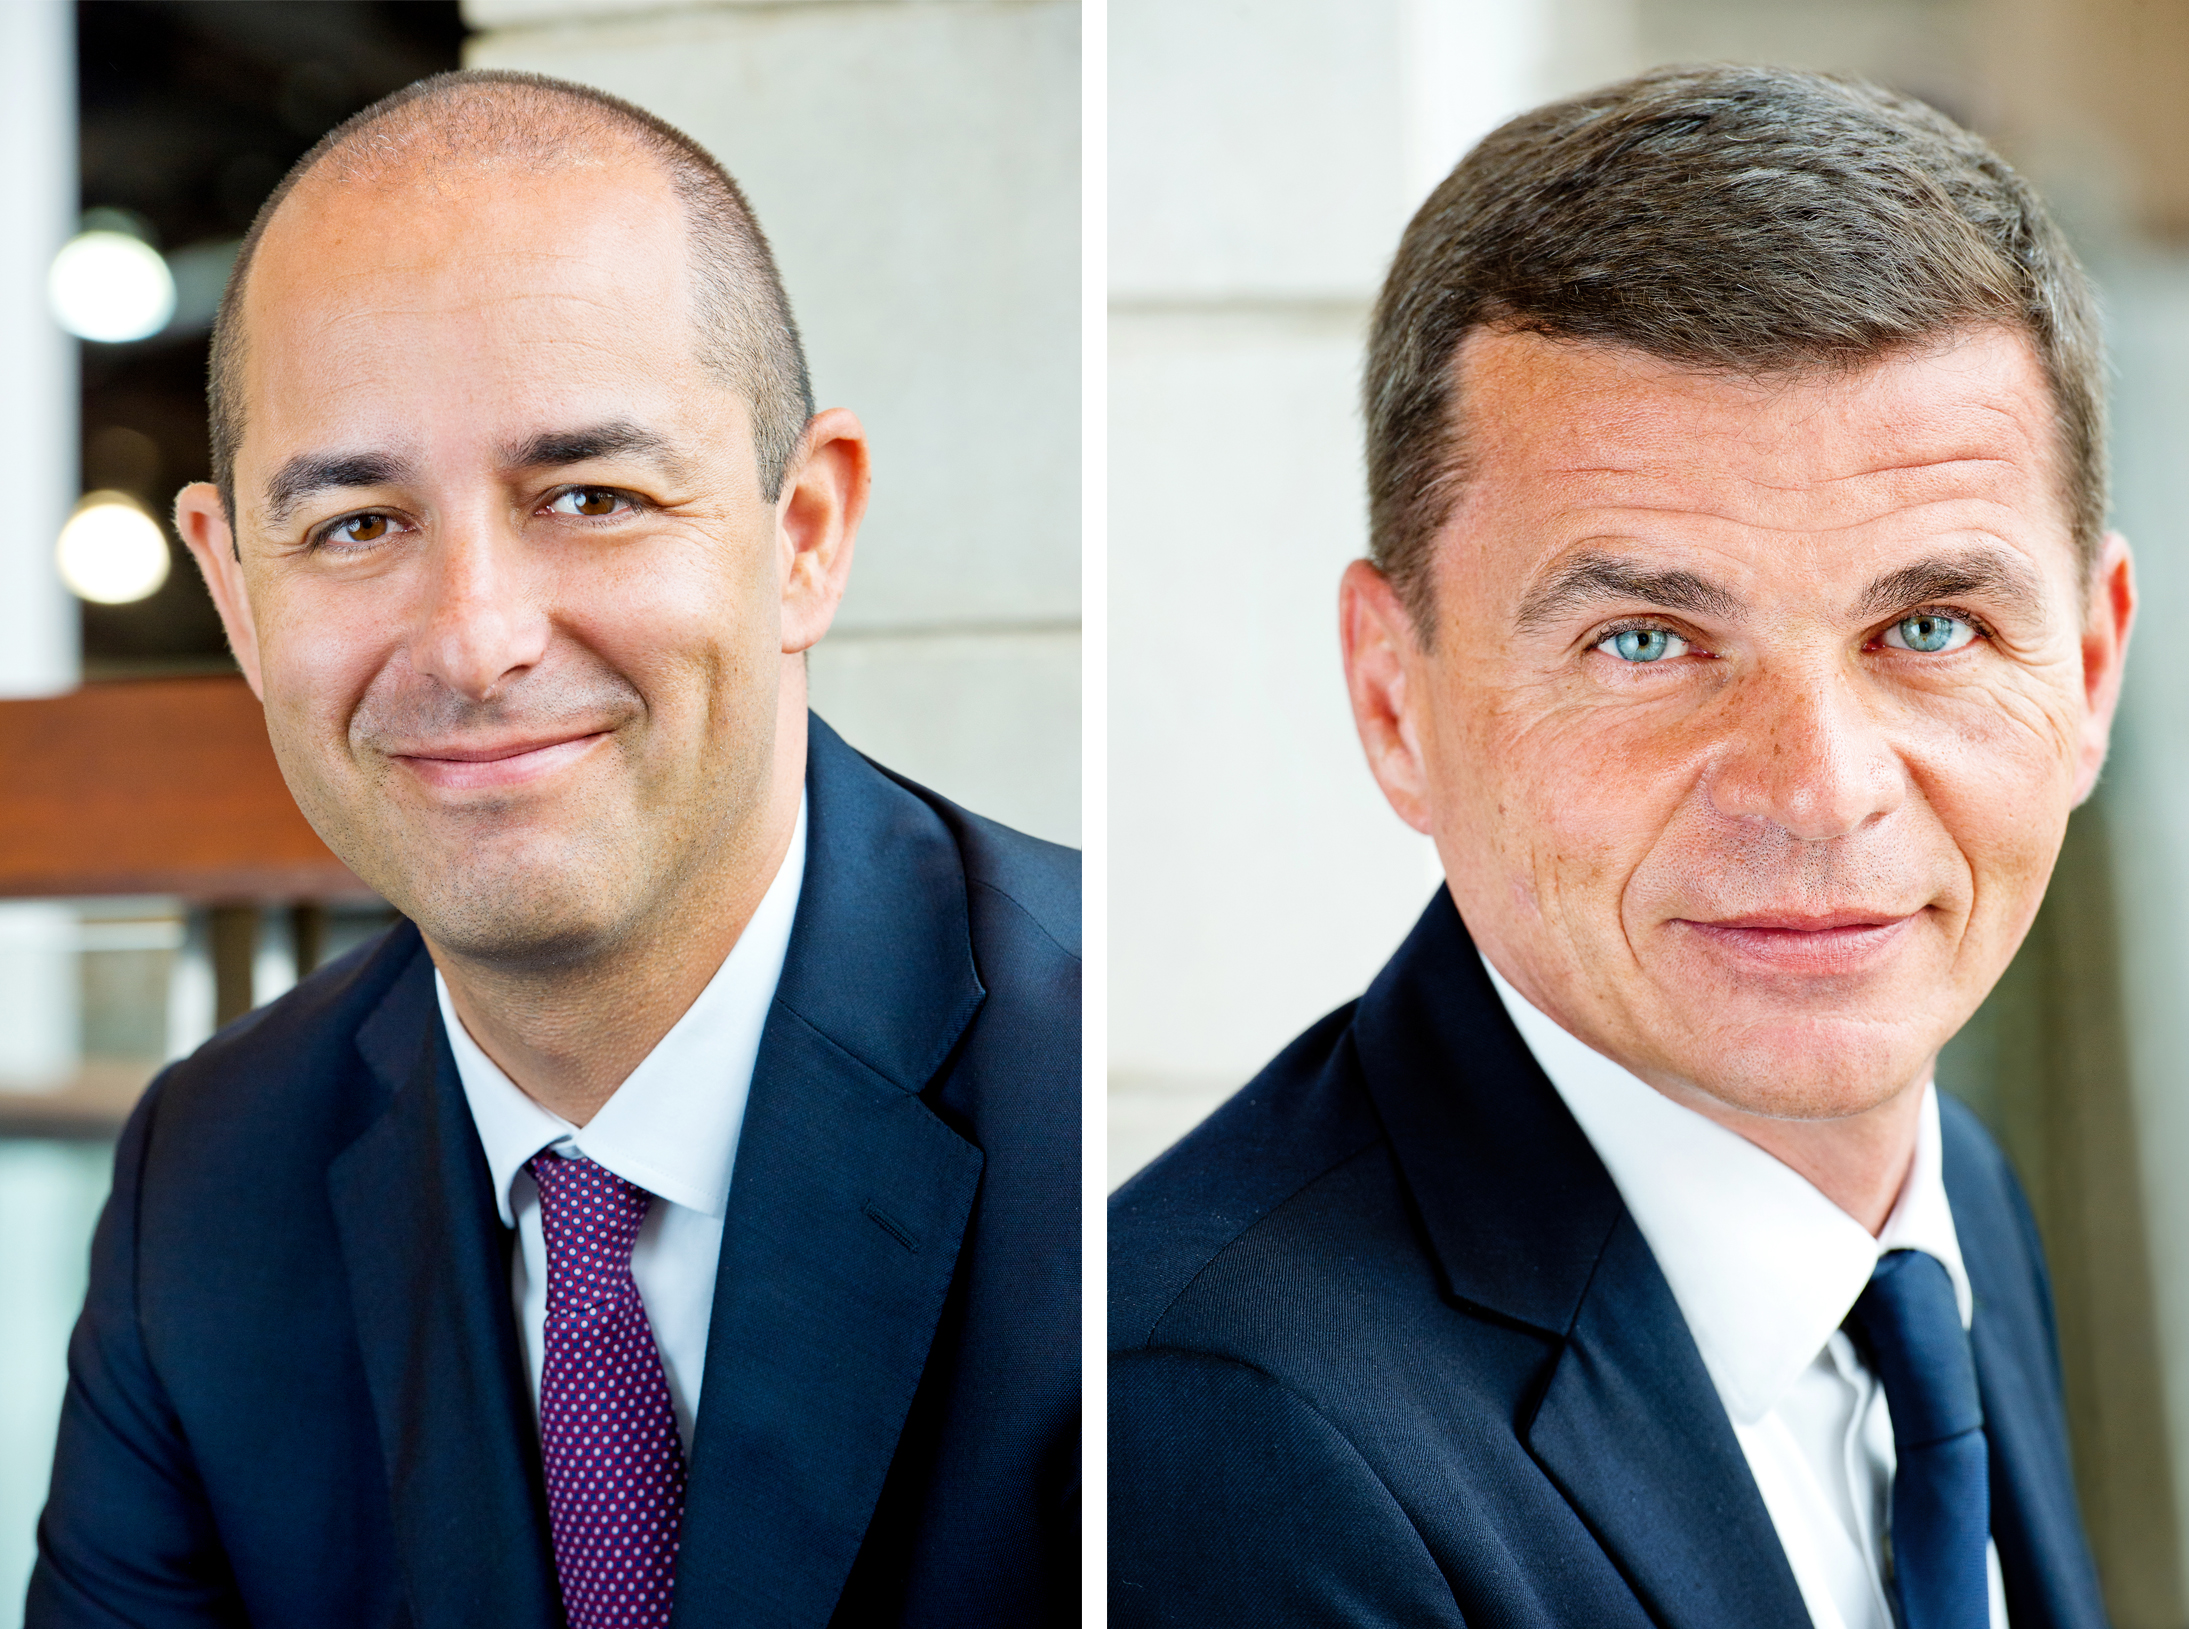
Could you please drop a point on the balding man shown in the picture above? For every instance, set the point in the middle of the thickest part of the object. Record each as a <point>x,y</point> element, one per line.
<point>678,1209</point>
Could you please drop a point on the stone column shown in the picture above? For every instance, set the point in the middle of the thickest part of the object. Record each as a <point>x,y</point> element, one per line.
<point>38,618</point>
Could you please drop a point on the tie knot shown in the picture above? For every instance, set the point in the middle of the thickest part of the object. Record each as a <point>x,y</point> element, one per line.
<point>590,1219</point>
<point>1908,1323</point>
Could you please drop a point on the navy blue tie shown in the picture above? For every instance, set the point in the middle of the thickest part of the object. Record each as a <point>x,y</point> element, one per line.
<point>1909,1327</point>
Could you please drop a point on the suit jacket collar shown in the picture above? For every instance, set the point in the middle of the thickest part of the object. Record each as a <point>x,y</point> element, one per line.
<point>1527,1226</point>
<point>881,953</point>
<point>847,1205</point>
<point>1516,1204</point>
<point>428,1267</point>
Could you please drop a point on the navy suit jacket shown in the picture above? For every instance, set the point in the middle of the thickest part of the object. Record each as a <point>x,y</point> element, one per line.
<point>296,1397</point>
<point>1387,1348</point>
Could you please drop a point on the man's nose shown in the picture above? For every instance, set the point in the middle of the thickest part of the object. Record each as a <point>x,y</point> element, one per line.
<point>481,619</point>
<point>1808,756</point>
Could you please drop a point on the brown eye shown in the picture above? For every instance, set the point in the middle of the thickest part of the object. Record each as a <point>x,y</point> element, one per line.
<point>588,500</point>
<point>360,529</point>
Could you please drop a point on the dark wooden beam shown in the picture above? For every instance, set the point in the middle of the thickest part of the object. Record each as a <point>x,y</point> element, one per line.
<point>154,786</point>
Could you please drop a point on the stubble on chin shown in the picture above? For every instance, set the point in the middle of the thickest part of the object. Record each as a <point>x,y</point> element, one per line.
<point>533,877</point>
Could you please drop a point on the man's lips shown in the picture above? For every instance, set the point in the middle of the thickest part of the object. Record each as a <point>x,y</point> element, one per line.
<point>464,766</point>
<point>1837,941</point>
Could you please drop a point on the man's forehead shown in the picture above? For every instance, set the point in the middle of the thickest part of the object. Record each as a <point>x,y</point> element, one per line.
<point>589,222</point>
<point>465,143</point>
<point>1546,376</point>
<point>1564,421</point>
<point>377,304</point>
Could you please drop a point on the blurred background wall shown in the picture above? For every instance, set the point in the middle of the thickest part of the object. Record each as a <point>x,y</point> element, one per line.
<point>1265,155</point>
<point>916,165</point>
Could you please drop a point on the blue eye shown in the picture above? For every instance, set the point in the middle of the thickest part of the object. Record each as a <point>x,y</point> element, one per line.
<point>1929,632</point>
<point>1643,645</point>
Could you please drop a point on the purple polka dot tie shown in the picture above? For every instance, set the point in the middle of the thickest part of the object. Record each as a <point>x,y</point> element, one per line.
<point>615,1470</point>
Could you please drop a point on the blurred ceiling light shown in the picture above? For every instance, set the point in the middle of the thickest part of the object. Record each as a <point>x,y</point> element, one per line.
<point>110,286</point>
<point>112,552</point>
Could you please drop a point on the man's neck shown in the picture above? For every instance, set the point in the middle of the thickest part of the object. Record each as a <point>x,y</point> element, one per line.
<point>1860,1162</point>
<point>570,1035</point>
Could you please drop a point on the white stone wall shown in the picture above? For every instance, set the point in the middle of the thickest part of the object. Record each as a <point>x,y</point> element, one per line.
<point>47,1193</point>
<point>38,621</point>
<point>916,167</point>
<point>1264,157</point>
<point>38,617</point>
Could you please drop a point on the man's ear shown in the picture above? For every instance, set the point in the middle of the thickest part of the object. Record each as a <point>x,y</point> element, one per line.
<point>2108,619</point>
<point>202,521</point>
<point>1376,632</point>
<point>817,521</point>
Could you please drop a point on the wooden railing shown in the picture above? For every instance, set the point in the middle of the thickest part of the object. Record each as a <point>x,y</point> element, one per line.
<point>158,786</point>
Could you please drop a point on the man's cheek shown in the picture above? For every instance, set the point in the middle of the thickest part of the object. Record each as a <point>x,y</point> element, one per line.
<point>2009,863</point>
<point>2002,803</point>
<point>1576,850</point>
<point>1601,795</point>
<point>2019,737</point>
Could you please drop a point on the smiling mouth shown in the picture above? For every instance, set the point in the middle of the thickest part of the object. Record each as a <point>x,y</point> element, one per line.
<point>1848,941</point>
<point>458,767</point>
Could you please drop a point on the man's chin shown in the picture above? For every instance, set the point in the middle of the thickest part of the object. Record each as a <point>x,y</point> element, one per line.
<point>519,945</point>
<point>1806,1069</point>
<point>526,915</point>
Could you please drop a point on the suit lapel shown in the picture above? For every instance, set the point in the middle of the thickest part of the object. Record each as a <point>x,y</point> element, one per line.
<point>1528,1226</point>
<point>2050,1580</point>
<point>847,1203</point>
<point>428,1269</point>
<point>1632,1432</point>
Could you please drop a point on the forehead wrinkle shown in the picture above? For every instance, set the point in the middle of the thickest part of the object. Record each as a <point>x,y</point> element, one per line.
<point>1904,494</point>
<point>1717,518</point>
<point>1668,470</point>
<point>1916,468</point>
<point>1922,466</point>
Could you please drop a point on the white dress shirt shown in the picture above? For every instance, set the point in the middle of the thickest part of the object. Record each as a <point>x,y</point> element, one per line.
<point>671,1128</point>
<point>1764,1269</point>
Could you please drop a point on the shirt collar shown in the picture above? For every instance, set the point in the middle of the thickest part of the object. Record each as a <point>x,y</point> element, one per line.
<point>1763,1266</point>
<point>672,1126</point>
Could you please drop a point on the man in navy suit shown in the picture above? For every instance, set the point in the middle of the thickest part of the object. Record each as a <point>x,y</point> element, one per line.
<point>676,1213</point>
<point>1742,625</point>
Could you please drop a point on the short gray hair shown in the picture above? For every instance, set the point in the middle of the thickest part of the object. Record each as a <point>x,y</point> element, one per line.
<point>1753,220</point>
<point>747,337</point>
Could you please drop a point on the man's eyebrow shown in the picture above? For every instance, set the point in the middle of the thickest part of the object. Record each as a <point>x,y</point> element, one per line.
<point>308,474</point>
<point>1996,573</point>
<point>1593,577</point>
<point>615,440</point>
